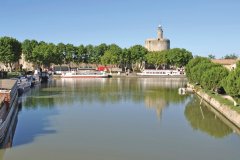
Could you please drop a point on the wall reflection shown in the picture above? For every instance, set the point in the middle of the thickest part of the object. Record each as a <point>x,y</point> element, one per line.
<point>9,135</point>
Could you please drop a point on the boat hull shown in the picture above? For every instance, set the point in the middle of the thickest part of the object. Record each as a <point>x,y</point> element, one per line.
<point>85,76</point>
<point>162,73</point>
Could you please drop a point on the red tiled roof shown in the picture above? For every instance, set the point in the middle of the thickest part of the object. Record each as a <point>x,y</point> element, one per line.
<point>225,61</point>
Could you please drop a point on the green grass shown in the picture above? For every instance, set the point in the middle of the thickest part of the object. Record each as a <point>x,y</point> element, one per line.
<point>220,99</point>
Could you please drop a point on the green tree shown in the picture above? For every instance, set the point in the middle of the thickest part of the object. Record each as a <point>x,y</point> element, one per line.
<point>69,54</point>
<point>211,79</point>
<point>10,51</point>
<point>87,57</point>
<point>198,71</point>
<point>191,64</point>
<point>156,58</point>
<point>45,54</point>
<point>211,56</point>
<point>125,58</point>
<point>231,56</point>
<point>231,83</point>
<point>81,52</point>
<point>137,53</point>
<point>27,49</point>
<point>179,57</point>
<point>97,53</point>
<point>37,53</point>
<point>50,55</point>
<point>116,51</point>
<point>109,58</point>
<point>60,54</point>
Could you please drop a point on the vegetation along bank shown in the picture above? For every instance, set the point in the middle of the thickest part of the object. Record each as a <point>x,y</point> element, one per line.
<point>216,85</point>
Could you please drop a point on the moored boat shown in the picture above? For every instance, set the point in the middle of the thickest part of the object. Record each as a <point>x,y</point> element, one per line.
<point>23,84</point>
<point>8,104</point>
<point>86,74</point>
<point>162,73</point>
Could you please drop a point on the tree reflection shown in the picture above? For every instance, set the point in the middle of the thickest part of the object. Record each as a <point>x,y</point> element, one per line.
<point>159,98</point>
<point>201,118</point>
<point>156,93</point>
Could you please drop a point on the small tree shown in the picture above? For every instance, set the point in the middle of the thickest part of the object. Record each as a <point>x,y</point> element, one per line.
<point>231,56</point>
<point>211,56</point>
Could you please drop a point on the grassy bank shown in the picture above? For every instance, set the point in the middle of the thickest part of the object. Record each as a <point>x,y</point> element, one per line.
<point>219,98</point>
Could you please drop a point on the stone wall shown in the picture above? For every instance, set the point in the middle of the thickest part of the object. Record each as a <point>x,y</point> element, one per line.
<point>157,44</point>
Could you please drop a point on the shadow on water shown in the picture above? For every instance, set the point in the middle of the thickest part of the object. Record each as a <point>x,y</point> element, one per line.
<point>23,131</point>
<point>38,112</point>
<point>204,118</point>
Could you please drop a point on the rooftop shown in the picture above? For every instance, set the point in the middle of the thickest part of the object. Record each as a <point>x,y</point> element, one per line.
<point>225,61</point>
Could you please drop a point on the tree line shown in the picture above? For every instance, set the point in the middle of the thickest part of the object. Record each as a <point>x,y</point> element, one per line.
<point>42,53</point>
<point>214,77</point>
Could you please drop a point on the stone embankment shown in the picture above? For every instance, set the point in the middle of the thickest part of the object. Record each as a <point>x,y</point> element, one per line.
<point>225,110</point>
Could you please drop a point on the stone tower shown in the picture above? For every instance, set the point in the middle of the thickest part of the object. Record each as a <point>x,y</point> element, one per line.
<point>158,44</point>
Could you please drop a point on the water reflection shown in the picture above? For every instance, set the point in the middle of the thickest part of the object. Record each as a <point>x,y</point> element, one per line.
<point>33,122</point>
<point>110,119</point>
<point>201,118</point>
<point>156,93</point>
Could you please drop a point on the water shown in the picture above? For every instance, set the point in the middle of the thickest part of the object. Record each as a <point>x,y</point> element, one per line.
<point>119,119</point>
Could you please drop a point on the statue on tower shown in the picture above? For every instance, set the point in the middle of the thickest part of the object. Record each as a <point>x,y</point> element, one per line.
<point>160,32</point>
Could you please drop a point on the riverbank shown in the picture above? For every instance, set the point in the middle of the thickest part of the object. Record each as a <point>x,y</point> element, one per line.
<point>227,109</point>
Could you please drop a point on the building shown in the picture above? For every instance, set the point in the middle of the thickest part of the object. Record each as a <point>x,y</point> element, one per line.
<point>158,44</point>
<point>230,64</point>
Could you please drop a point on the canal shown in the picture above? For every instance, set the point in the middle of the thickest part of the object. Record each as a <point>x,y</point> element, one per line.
<point>118,119</point>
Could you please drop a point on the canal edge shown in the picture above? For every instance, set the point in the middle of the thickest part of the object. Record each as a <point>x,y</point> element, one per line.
<point>232,115</point>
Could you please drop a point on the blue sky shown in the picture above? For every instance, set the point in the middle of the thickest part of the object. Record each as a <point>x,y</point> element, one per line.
<point>202,26</point>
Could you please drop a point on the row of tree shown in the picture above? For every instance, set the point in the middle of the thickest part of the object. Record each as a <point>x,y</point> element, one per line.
<point>228,56</point>
<point>213,76</point>
<point>42,53</point>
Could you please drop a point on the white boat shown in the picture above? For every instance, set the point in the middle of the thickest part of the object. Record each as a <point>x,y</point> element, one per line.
<point>23,84</point>
<point>162,73</point>
<point>8,104</point>
<point>85,74</point>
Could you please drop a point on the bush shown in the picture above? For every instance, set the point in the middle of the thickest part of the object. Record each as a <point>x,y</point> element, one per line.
<point>231,83</point>
<point>212,78</point>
